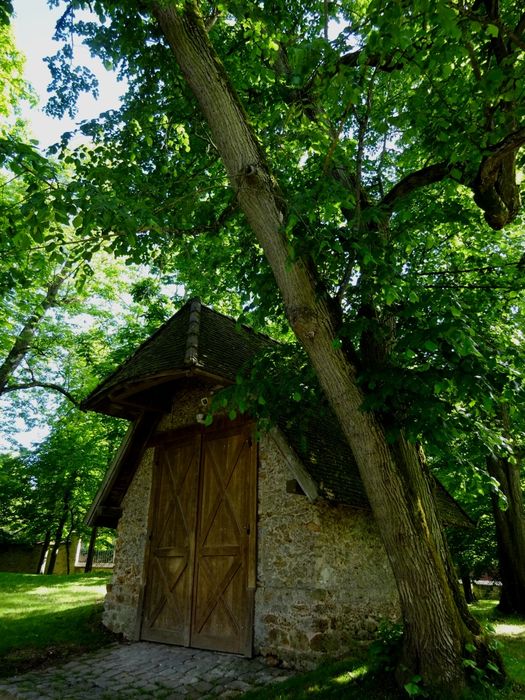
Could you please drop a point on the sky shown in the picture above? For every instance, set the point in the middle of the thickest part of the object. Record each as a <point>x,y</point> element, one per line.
<point>34,27</point>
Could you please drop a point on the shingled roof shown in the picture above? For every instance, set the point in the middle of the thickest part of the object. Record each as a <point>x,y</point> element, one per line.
<point>201,343</point>
<point>195,341</point>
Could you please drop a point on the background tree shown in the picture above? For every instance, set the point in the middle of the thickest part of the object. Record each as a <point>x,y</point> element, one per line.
<point>54,485</point>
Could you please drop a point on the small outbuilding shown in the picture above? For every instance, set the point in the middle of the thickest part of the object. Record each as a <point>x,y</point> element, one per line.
<point>225,540</point>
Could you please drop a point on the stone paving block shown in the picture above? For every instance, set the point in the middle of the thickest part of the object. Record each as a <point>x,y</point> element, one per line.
<point>203,687</point>
<point>240,685</point>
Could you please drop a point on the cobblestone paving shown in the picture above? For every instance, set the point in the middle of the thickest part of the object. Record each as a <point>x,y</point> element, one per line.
<point>144,670</point>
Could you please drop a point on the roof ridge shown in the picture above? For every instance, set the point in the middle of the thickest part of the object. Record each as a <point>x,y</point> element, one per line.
<point>191,356</point>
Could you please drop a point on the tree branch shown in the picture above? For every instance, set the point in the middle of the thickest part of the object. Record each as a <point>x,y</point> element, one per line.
<point>520,27</point>
<point>363,126</point>
<point>43,385</point>
<point>410,183</point>
<point>495,189</point>
<point>26,336</point>
<point>510,143</point>
<point>462,271</point>
<point>373,60</point>
<point>484,186</point>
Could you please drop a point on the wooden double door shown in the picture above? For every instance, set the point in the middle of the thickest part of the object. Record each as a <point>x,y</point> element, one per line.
<point>201,567</point>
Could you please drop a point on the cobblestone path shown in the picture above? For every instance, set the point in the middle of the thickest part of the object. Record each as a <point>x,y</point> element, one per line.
<point>143,670</point>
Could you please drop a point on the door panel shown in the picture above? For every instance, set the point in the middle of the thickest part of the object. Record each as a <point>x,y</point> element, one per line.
<point>200,581</point>
<point>167,607</point>
<point>222,602</point>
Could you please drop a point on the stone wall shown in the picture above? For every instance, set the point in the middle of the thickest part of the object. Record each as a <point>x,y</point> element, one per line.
<point>323,577</point>
<point>22,558</point>
<point>124,591</point>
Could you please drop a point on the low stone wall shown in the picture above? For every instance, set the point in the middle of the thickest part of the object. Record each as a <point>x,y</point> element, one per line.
<point>20,558</point>
<point>486,590</point>
<point>323,577</point>
<point>24,558</point>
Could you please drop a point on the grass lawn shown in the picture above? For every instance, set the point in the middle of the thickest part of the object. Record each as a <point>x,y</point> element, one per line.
<point>48,618</point>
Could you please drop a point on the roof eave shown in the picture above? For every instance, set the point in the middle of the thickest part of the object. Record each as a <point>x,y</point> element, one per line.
<point>121,400</point>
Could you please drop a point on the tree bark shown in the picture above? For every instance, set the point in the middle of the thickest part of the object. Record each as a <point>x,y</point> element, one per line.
<point>56,544</point>
<point>437,622</point>
<point>510,534</point>
<point>60,528</point>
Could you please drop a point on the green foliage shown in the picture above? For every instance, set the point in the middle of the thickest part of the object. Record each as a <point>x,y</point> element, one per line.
<point>384,652</point>
<point>270,388</point>
<point>150,187</point>
<point>72,461</point>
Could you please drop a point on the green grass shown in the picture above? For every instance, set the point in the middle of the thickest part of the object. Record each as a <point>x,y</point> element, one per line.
<point>510,632</point>
<point>49,618</point>
<point>352,679</point>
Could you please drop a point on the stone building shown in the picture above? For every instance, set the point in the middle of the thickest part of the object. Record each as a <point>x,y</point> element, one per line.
<point>228,542</point>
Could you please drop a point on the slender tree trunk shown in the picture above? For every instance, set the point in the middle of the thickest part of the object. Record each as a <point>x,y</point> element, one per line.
<point>510,534</point>
<point>466,582</point>
<point>56,544</point>
<point>26,336</point>
<point>68,553</point>
<point>437,622</point>
<point>43,552</point>
<point>68,541</point>
<point>60,528</point>
<point>91,550</point>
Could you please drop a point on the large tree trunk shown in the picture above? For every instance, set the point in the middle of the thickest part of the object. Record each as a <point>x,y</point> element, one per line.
<point>510,534</point>
<point>437,622</point>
